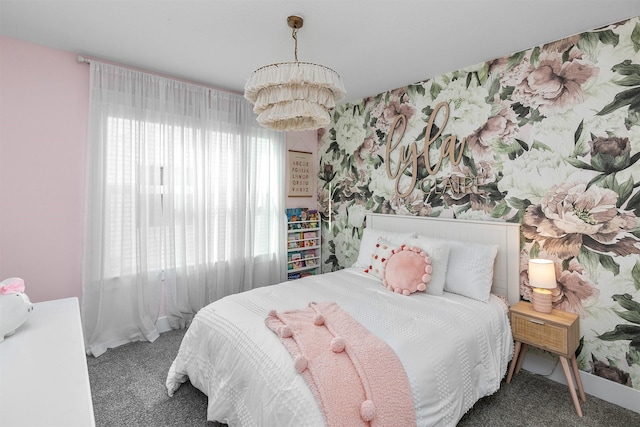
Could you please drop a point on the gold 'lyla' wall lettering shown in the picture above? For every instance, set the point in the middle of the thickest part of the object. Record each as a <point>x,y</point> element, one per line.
<point>407,159</point>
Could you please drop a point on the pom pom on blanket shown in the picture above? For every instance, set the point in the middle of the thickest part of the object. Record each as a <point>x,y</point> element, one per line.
<point>318,320</point>
<point>337,345</point>
<point>285,332</point>
<point>300,363</point>
<point>368,410</point>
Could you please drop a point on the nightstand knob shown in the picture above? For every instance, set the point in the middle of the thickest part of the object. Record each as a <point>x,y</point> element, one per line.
<point>536,321</point>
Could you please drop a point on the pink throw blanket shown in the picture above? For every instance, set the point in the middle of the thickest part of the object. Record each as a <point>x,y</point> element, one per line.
<point>356,377</point>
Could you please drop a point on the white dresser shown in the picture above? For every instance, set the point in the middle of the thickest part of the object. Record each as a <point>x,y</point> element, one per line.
<point>43,370</point>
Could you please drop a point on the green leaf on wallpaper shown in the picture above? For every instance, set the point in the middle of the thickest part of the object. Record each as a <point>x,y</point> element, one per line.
<point>507,92</point>
<point>633,204</point>
<point>588,42</point>
<point>578,132</point>
<point>517,218</point>
<point>500,210</point>
<point>589,260</point>
<point>578,163</point>
<point>602,163</point>
<point>635,37</point>
<point>483,74</point>
<point>515,59</point>
<point>519,204</point>
<point>522,144</point>
<point>535,250</point>
<point>621,332</point>
<point>419,89</point>
<point>626,68</point>
<point>635,273</point>
<point>629,316</point>
<point>608,37</point>
<point>367,116</point>
<point>624,191</point>
<point>633,355</point>
<point>633,116</point>
<point>370,204</point>
<point>537,145</point>
<point>621,99</point>
<point>535,54</point>
<point>626,301</point>
<point>631,80</point>
<point>435,90</point>
<point>608,263</point>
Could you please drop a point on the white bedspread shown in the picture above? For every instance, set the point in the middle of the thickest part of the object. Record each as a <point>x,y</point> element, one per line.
<point>455,350</point>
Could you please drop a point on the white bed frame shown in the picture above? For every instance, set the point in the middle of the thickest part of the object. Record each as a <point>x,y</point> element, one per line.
<point>506,273</point>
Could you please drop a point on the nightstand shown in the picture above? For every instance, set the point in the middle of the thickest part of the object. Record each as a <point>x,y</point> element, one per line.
<point>556,332</point>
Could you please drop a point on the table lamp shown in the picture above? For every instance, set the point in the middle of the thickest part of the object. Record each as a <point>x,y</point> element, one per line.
<point>542,278</point>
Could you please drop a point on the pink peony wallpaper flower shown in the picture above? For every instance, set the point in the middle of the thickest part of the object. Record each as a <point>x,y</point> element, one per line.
<point>549,138</point>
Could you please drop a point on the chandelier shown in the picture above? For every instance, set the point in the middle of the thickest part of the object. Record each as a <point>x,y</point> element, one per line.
<point>294,95</point>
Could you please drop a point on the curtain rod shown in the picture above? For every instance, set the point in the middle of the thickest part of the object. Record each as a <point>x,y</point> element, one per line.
<point>83,60</point>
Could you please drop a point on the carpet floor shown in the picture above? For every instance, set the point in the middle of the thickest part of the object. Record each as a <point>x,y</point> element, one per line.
<point>128,389</point>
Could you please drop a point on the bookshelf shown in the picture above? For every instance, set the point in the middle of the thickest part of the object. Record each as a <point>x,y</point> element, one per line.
<point>303,243</point>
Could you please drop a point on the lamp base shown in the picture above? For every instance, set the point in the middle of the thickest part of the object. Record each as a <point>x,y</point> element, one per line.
<point>542,300</point>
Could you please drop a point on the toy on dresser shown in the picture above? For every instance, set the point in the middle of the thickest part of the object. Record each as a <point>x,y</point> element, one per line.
<point>14,306</point>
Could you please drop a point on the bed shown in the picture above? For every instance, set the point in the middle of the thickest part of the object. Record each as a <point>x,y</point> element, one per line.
<point>454,342</point>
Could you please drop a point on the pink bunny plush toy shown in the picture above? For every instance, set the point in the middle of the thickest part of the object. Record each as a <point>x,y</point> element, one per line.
<point>14,306</point>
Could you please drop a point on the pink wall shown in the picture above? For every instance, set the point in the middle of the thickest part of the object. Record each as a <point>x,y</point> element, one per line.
<point>44,96</point>
<point>44,99</point>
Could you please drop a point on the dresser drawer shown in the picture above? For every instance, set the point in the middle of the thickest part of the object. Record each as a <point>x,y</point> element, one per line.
<point>540,333</point>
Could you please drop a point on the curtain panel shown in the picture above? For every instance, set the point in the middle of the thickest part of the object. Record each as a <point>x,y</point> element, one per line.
<point>184,200</point>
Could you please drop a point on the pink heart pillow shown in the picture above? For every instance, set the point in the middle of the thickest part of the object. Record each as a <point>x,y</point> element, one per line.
<point>407,270</point>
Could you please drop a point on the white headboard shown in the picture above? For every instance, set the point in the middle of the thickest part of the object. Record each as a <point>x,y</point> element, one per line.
<point>506,273</point>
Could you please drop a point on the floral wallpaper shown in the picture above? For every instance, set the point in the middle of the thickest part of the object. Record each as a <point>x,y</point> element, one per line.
<point>548,137</point>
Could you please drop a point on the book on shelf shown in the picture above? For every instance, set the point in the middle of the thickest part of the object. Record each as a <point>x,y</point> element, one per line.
<point>309,238</point>
<point>299,218</point>
<point>294,240</point>
<point>311,253</point>
<point>314,218</point>
<point>295,261</point>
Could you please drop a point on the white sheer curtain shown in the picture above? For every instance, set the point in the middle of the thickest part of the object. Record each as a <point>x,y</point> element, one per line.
<point>185,194</point>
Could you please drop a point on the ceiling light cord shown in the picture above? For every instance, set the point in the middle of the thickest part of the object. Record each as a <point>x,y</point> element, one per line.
<point>294,34</point>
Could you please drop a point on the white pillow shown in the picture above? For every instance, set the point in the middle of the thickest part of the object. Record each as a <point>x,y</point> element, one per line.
<point>470,270</point>
<point>378,258</point>
<point>368,242</point>
<point>438,250</point>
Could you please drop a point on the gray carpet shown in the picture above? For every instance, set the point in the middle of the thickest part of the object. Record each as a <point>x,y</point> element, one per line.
<point>127,386</point>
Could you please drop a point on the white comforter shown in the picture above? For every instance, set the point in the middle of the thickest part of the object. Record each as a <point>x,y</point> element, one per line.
<point>455,350</point>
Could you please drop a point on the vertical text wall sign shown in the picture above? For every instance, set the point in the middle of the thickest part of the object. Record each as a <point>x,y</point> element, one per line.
<point>300,174</point>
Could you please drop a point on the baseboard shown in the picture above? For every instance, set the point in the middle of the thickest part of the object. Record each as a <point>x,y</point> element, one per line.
<point>162,324</point>
<point>547,365</point>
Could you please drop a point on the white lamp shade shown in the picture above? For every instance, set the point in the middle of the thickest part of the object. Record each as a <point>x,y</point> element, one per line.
<point>542,273</point>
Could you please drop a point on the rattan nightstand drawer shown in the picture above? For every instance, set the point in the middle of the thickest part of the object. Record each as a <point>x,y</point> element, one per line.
<point>540,333</point>
<point>557,332</point>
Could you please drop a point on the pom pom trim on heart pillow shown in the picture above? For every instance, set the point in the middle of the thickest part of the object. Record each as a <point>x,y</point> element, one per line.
<point>407,270</point>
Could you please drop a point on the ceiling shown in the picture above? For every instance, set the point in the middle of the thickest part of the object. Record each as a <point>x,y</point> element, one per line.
<point>374,45</point>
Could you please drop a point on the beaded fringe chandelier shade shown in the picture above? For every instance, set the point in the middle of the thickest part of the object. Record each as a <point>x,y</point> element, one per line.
<point>296,95</point>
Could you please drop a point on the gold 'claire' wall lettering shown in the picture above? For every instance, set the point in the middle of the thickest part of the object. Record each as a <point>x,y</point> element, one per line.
<point>407,158</point>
